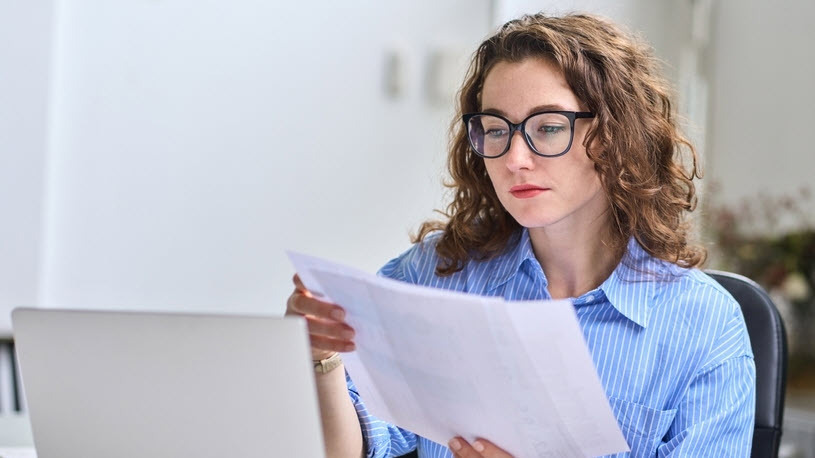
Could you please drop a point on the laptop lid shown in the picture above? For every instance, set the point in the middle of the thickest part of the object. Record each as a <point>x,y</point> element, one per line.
<point>128,384</point>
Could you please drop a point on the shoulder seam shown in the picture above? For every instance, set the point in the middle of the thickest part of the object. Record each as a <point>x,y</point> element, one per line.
<point>710,368</point>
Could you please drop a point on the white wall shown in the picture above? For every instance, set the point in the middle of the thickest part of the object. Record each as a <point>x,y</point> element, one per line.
<point>762,67</point>
<point>662,24</point>
<point>25,45</point>
<point>192,142</point>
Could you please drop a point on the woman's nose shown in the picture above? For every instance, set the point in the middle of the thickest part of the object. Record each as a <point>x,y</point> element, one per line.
<point>519,156</point>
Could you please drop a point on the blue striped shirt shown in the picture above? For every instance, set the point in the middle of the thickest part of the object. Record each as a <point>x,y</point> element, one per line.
<point>669,344</point>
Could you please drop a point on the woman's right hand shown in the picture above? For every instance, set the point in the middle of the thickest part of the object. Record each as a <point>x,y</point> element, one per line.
<point>327,329</point>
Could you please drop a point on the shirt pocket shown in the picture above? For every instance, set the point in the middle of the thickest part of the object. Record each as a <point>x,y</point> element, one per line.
<point>642,426</point>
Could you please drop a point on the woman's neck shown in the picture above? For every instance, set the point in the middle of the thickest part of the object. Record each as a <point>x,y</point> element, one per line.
<point>576,259</point>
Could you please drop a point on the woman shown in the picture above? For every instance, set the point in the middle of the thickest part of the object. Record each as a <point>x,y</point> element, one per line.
<point>569,183</point>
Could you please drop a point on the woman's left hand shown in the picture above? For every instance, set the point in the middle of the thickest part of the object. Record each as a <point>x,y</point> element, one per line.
<point>479,449</point>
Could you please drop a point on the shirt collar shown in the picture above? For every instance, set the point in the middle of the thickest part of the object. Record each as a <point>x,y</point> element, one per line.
<point>505,266</point>
<point>633,286</point>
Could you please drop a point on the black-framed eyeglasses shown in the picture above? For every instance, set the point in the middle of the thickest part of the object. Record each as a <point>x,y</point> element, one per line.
<point>548,133</point>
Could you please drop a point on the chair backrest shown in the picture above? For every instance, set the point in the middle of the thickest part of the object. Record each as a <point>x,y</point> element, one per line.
<point>769,342</point>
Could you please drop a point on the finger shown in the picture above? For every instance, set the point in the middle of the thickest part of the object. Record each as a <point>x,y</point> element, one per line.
<point>327,344</point>
<point>331,329</point>
<point>299,303</point>
<point>298,284</point>
<point>462,449</point>
<point>489,450</point>
<point>480,448</point>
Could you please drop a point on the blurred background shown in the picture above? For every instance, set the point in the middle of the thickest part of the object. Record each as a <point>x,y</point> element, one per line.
<point>163,154</point>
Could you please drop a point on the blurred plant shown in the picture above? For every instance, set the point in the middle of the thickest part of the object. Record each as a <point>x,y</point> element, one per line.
<point>772,241</point>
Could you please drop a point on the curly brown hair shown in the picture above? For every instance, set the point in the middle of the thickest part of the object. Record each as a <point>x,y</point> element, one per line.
<point>634,142</point>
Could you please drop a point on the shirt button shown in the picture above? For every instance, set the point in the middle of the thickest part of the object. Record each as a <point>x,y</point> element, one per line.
<point>589,298</point>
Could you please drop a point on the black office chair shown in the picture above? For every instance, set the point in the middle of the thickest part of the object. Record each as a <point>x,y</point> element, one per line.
<point>769,341</point>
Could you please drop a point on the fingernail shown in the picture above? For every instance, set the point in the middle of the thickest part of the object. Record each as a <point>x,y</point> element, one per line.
<point>478,446</point>
<point>454,444</point>
<point>337,314</point>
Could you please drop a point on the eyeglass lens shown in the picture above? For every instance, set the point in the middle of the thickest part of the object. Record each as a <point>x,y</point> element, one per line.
<point>549,134</point>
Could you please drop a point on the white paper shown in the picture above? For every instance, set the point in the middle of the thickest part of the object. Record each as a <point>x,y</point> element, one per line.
<point>445,364</point>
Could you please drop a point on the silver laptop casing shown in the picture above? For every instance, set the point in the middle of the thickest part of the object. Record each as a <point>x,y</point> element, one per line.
<point>132,384</point>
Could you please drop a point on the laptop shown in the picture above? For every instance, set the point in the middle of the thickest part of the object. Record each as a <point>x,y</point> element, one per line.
<point>103,384</point>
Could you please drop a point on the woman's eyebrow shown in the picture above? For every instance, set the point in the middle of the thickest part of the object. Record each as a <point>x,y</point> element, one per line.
<point>546,107</point>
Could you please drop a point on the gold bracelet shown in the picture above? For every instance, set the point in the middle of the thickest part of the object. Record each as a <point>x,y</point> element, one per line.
<point>324,366</point>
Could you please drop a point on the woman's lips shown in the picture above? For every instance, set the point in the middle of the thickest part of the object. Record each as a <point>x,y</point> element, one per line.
<point>526,191</point>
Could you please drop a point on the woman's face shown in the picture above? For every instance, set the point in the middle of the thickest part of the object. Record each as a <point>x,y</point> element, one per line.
<point>567,192</point>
